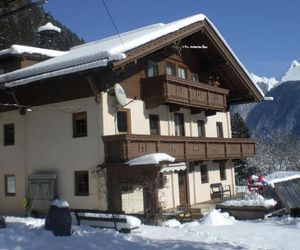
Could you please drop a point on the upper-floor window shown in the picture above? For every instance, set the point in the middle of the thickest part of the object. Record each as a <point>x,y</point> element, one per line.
<point>9,134</point>
<point>10,185</point>
<point>123,120</point>
<point>182,72</point>
<point>79,124</point>
<point>81,183</point>
<point>222,171</point>
<point>195,77</point>
<point>154,124</point>
<point>220,130</point>
<point>179,124</point>
<point>152,68</point>
<point>170,69</point>
<point>201,128</point>
<point>204,174</point>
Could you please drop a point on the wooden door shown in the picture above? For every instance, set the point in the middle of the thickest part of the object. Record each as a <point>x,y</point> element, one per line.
<point>183,192</point>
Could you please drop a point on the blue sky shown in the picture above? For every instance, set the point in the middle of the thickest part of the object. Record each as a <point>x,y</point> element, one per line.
<point>264,34</point>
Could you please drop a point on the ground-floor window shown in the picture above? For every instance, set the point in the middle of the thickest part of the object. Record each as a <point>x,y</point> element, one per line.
<point>10,185</point>
<point>222,171</point>
<point>204,174</point>
<point>81,183</point>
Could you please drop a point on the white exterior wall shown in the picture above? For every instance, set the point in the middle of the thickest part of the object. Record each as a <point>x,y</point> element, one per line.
<point>12,162</point>
<point>140,119</point>
<point>44,143</point>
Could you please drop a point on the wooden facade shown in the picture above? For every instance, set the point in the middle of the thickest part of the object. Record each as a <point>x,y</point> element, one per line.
<point>166,89</point>
<point>124,147</point>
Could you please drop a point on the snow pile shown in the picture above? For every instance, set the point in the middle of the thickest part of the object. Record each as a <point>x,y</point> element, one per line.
<point>60,203</point>
<point>293,73</point>
<point>270,82</point>
<point>29,234</point>
<point>216,218</point>
<point>148,159</point>
<point>132,221</point>
<point>49,26</point>
<point>171,223</point>
<point>251,199</point>
<point>21,49</point>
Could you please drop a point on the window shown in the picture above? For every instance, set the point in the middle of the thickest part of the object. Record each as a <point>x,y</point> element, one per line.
<point>204,174</point>
<point>170,69</point>
<point>220,130</point>
<point>152,68</point>
<point>10,185</point>
<point>9,134</point>
<point>195,77</point>
<point>154,124</point>
<point>182,72</point>
<point>123,118</point>
<point>81,183</point>
<point>79,124</point>
<point>179,124</point>
<point>222,171</point>
<point>201,128</point>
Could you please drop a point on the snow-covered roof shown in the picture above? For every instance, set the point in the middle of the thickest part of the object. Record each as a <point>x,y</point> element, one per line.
<point>21,49</point>
<point>49,26</point>
<point>150,159</point>
<point>100,53</point>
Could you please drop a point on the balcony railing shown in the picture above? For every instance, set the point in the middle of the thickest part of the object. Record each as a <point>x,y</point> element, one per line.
<point>124,147</point>
<point>166,89</point>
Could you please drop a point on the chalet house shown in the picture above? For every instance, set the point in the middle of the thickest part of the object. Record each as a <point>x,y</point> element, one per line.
<point>64,134</point>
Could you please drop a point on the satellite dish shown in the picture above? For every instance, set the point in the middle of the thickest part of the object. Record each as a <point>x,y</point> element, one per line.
<point>120,94</point>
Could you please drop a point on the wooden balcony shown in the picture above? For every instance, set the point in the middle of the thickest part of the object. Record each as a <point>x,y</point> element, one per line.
<point>124,147</point>
<point>166,89</point>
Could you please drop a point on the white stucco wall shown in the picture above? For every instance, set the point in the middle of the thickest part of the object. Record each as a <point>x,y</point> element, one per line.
<point>140,119</point>
<point>45,144</point>
<point>12,162</point>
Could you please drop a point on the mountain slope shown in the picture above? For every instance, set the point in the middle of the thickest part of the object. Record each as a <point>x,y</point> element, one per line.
<point>266,84</point>
<point>284,112</point>
<point>21,28</point>
<point>281,114</point>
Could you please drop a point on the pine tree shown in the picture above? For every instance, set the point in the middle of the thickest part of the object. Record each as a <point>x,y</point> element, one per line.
<point>238,127</point>
<point>21,28</point>
<point>240,130</point>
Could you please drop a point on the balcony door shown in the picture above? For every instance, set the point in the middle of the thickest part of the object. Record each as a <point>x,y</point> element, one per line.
<point>179,124</point>
<point>183,192</point>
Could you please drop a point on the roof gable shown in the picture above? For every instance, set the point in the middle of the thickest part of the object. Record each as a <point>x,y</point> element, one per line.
<point>133,45</point>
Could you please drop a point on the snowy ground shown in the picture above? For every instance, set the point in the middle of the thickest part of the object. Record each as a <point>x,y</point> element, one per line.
<point>214,231</point>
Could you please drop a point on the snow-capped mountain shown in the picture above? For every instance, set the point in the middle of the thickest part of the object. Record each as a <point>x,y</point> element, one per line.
<point>265,83</point>
<point>293,73</point>
<point>282,113</point>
